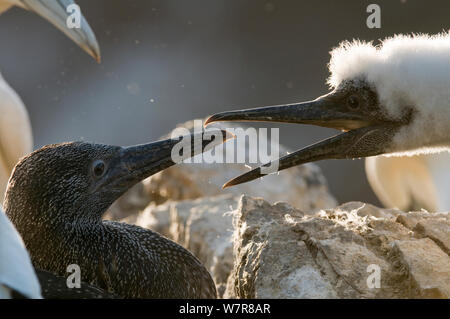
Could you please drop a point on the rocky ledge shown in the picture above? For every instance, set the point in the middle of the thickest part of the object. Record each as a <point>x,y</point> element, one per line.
<point>255,249</point>
<point>291,243</point>
<point>352,251</point>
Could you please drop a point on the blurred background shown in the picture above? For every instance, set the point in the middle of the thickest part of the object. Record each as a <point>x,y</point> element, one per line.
<point>168,61</point>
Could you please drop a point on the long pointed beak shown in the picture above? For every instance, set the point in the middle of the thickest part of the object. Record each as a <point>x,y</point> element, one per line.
<point>347,145</point>
<point>363,136</point>
<point>319,112</point>
<point>136,163</point>
<point>55,11</point>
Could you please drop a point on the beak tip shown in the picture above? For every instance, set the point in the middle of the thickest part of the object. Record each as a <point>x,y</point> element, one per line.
<point>226,185</point>
<point>95,53</point>
<point>208,121</point>
<point>232,182</point>
<point>213,118</point>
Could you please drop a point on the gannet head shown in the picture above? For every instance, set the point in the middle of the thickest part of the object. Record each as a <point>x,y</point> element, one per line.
<point>78,181</point>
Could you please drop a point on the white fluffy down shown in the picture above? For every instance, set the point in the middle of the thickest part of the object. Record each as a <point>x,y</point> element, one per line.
<point>406,70</point>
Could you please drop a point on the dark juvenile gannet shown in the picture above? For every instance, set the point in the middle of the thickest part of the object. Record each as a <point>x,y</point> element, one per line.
<point>16,138</point>
<point>56,197</point>
<point>391,99</point>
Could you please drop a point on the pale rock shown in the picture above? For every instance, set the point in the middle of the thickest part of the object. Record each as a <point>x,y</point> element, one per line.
<point>434,226</point>
<point>281,252</point>
<point>154,217</point>
<point>427,267</point>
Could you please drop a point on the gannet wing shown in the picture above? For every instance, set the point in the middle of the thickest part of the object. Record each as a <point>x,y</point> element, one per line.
<point>411,182</point>
<point>16,139</point>
<point>16,270</point>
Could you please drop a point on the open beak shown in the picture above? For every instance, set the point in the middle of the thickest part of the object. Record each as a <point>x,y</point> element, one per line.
<point>55,11</point>
<point>361,137</point>
<point>135,163</point>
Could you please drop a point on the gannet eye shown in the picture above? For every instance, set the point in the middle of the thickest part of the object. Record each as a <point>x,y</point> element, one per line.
<point>353,102</point>
<point>98,168</point>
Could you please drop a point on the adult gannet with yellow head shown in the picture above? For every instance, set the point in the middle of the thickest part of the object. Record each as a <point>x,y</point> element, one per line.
<point>16,139</point>
<point>391,99</point>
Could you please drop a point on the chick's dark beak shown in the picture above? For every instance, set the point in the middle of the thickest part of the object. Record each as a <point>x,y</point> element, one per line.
<point>324,111</point>
<point>363,137</point>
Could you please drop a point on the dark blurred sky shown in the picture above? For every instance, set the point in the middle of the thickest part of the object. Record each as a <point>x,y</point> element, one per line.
<point>168,61</point>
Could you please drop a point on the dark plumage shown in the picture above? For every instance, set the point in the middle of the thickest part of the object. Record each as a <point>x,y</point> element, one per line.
<point>56,198</point>
<point>55,287</point>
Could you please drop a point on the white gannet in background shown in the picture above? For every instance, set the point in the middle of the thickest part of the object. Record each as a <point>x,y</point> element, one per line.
<point>411,183</point>
<point>17,276</point>
<point>55,12</point>
<point>16,138</point>
<point>16,272</point>
<point>391,99</point>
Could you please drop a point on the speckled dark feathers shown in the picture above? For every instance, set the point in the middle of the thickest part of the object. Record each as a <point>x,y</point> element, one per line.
<point>55,287</point>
